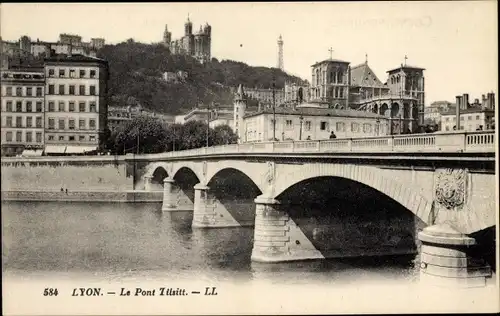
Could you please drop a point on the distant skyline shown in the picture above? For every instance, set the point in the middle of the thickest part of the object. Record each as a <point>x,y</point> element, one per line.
<point>456,42</point>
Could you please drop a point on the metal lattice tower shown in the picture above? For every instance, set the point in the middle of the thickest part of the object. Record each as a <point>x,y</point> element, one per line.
<point>280,54</point>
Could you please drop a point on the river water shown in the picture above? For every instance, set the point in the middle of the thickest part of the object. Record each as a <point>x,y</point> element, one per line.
<point>136,243</point>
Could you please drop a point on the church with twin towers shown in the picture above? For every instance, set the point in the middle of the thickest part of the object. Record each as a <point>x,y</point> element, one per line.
<point>196,44</point>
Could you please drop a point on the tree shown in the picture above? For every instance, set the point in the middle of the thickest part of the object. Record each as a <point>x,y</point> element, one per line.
<point>143,134</point>
<point>224,135</point>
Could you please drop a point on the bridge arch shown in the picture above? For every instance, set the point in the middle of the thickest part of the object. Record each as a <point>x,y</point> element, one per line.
<point>254,172</point>
<point>405,194</point>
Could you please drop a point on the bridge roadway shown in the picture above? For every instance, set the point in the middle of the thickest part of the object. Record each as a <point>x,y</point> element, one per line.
<point>446,180</point>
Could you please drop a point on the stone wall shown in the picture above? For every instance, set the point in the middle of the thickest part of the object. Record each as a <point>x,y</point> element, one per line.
<point>71,175</point>
<point>82,196</point>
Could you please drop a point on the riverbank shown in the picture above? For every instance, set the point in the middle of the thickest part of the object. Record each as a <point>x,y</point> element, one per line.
<point>82,196</point>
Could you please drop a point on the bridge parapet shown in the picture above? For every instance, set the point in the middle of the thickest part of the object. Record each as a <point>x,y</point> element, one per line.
<point>481,141</point>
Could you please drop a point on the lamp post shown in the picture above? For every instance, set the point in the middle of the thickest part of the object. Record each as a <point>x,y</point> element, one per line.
<point>378,126</point>
<point>301,118</point>
<point>274,110</point>
<point>208,121</point>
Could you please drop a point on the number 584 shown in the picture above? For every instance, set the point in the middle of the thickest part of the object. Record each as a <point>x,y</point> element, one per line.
<point>50,292</point>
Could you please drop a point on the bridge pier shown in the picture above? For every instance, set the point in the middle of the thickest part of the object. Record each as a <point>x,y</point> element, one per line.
<point>173,197</point>
<point>277,237</point>
<point>445,259</point>
<point>148,181</point>
<point>209,212</point>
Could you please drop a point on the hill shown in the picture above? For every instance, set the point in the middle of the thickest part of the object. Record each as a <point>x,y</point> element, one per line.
<point>136,71</point>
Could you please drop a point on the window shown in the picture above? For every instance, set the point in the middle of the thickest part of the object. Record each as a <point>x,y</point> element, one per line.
<point>38,121</point>
<point>71,138</point>
<point>81,138</point>
<point>340,126</point>
<point>38,137</point>
<point>9,106</point>
<point>72,90</point>
<point>461,118</point>
<point>92,124</point>
<point>29,91</point>
<point>19,91</point>
<point>61,124</point>
<point>367,128</point>
<point>8,121</point>
<point>51,72</point>
<point>469,117</point>
<point>81,124</point>
<point>19,106</point>
<point>447,119</point>
<point>51,89</point>
<point>308,125</point>
<point>8,91</point>
<point>28,106</point>
<point>29,137</point>
<point>72,73</point>
<point>51,106</point>
<point>61,89</point>
<point>29,121</point>
<point>51,123</point>
<point>61,138</point>
<point>39,106</point>
<point>61,106</point>
<point>81,106</point>
<point>92,106</point>
<point>61,72</point>
<point>39,91</point>
<point>71,124</point>
<point>288,124</point>
<point>9,136</point>
<point>82,73</point>
<point>477,117</point>
<point>19,136</point>
<point>92,138</point>
<point>92,90</point>
<point>323,126</point>
<point>81,90</point>
<point>71,106</point>
<point>51,137</point>
<point>92,74</point>
<point>19,121</point>
<point>355,127</point>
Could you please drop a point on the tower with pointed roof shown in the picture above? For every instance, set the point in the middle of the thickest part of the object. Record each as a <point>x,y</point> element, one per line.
<point>167,37</point>
<point>240,105</point>
<point>280,54</point>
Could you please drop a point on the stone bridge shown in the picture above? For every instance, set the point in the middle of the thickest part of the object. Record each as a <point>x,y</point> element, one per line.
<point>342,197</point>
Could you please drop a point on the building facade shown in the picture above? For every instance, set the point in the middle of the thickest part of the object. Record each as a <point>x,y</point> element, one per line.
<point>67,44</point>
<point>22,93</point>
<point>470,117</point>
<point>266,97</point>
<point>76,104</point>
<point>306,123</point>
<point>197,45</point>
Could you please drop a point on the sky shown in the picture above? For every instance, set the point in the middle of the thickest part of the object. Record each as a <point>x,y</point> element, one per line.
<point>455,41</point>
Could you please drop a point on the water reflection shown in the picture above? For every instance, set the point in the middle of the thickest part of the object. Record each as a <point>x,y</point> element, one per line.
<point>130,241</point>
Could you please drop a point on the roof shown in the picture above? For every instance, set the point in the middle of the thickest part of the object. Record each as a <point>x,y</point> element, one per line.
<point>310,111</point>
<point>405,67</point>
<point>330,61</point>
<point>75,58</point>
<point>469,111</point>
<point>363,75</point>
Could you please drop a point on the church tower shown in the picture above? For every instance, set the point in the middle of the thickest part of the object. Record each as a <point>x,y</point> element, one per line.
<point>240,104</point>
<point>280,54</point>
<point>188,27</point>
<point>167,37</point>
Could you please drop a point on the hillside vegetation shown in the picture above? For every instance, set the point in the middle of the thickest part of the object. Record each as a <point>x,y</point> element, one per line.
<point>136,71</point>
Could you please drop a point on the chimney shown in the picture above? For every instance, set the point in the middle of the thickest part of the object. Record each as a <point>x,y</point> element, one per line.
<point>457,111</point>
<point>483,101</point>
<point>491,100</point>
<point>465,101</point>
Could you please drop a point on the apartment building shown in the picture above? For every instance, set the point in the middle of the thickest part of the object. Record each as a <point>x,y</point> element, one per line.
<point>22,107</point>
<point>75,104</point>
